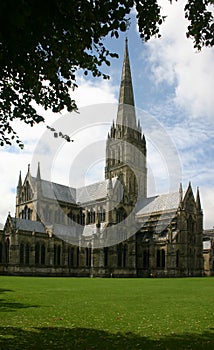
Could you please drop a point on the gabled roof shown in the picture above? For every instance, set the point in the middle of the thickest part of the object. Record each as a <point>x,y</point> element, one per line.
<point>93,192</point>
<point>90,193</point>
<point>163,202</point>
<point>58,192</point>
<point>27,225</point>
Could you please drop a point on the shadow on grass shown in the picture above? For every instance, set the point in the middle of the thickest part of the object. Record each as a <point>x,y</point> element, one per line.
<point>5,290</point>
<point>6,306</point>
<point>91,339</point>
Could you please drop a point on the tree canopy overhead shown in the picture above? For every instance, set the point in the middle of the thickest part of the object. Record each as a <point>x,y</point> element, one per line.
<point>44,43</point>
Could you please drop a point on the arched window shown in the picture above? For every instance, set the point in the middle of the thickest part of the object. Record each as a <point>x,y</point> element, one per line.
<point>27,254</point>
<point>122,255</point>
<point>37,253</point>
<point>21,254</point>
<point>119,255</point>
<point>81,218</point>
<point>104,215</point>
<point>105,256</point>
<point>125,249</point>
<point>43,254</point>
<point>158,258</point>
<point>130,184</point>
<point>70,257</point>
<point>146,258</point>
<point>28,192</point>
<point>29,214</point>
<point>93,217</point>
<point>161,258</point>
<point>88,256</point>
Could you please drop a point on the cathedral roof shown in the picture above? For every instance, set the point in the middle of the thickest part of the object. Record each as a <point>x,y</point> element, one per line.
<point>27,225</point>
<point>59,192</point>
<point>93,192</point>
<point>68,194</point>
<point>163,202</point>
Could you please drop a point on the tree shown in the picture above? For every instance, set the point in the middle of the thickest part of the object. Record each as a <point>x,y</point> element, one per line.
<point>44,43</point>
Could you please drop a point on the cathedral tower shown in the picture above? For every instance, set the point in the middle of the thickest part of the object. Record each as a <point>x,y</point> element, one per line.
<point>126,145</point>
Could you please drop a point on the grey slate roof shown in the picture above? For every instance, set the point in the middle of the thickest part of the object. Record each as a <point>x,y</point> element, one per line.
<point>28,225</point>
<point>68,194</point>
<point>169,201</point>
<point>58,192</point>
<point>93,192</point>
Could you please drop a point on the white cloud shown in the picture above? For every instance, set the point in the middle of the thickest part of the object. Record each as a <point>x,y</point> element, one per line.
<point>175,61</point>
<point>37,147</point>
<point>94,92</point>
<point>207,195</point>
<point>186,110</point>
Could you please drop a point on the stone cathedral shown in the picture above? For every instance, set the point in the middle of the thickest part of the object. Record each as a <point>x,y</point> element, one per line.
<point>110,228</point>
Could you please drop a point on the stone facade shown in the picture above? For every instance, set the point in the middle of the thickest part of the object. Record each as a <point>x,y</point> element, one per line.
<point>208,252</point>
<point>110,228</point>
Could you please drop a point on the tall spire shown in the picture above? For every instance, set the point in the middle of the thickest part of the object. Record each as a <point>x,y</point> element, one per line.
<point>126,110</point>
<point>126,90</point>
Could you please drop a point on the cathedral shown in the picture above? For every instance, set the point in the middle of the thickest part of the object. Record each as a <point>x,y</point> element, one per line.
<point>110,228</point>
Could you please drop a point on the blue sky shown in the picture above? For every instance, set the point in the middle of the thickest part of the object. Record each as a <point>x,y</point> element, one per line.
<point>172,82</point>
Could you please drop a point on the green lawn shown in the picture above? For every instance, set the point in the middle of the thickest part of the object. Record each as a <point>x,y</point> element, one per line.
<point>83,313</point>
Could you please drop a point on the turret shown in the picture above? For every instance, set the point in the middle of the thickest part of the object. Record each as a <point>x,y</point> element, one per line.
<point>19,189</point>
<point>198,201</point>
<point>180,196</point>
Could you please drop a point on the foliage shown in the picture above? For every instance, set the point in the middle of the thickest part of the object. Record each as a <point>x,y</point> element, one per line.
<point>44,43</point>
<point>84,313</point>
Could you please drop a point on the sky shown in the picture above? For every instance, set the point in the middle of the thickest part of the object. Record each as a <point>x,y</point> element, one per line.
<point>174,91</point>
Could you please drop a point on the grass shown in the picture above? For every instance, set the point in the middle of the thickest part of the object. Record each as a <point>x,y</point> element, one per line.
<point>78,313</point>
